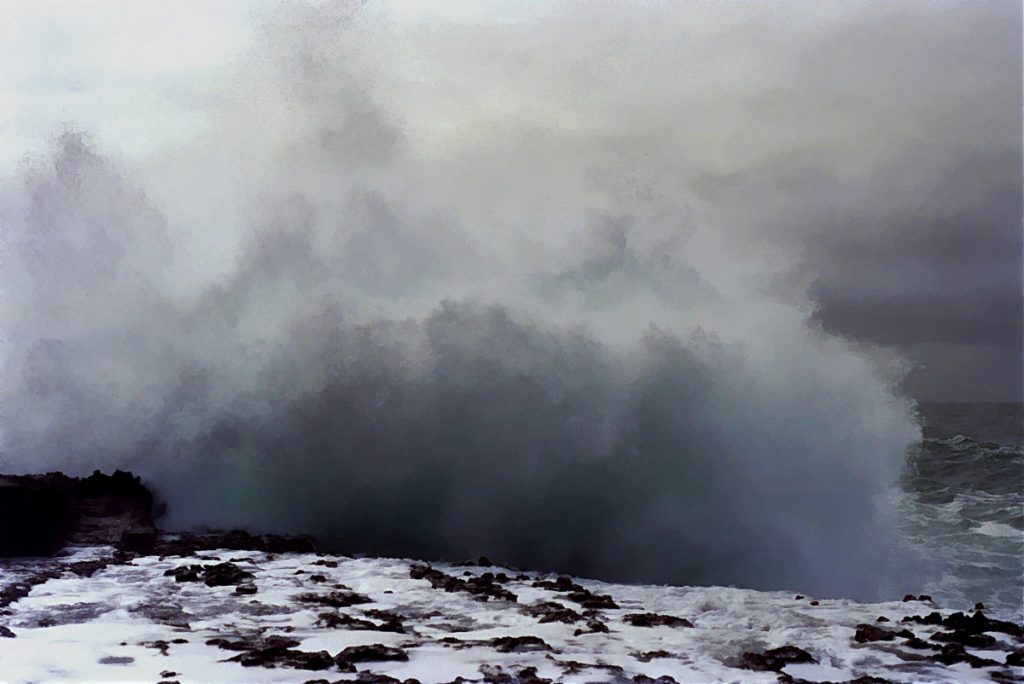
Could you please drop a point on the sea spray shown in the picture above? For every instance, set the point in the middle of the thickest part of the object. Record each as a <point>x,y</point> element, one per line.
<point>528,340</point>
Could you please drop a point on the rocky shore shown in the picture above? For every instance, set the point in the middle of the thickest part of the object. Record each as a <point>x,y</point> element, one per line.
<point>91,590</point>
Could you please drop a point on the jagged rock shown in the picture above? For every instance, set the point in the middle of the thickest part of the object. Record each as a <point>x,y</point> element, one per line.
<point>593,627</point>
<point>966,638</point>
<point>866,633</point>
<point>219,575</point>
<point>52,510</point>
<point>549,611</point>
<point>955,653</point>
<point>483,587</point>
<point>592,601</point>
<point>341,598</point>
<point>6,633</point>
<point>656,620</point>
<point>773,660</point>
<point>518,644</point>
<point>373,653</point>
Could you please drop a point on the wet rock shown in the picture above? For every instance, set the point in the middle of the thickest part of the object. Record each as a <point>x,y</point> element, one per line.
<point>562,583</point>
<point>318,579</point>
<point>867,633</point>
<point>139,539</point>
<point>159,645</point>
<point>592,601</point>
<point>1015,658</point>
<point>955,653</point>
<point>340,598</point>
<point>276,656</point>
<point>966,638</point>
<point>978,623</point>
<point>326,563</point>
<point>593,627</point>
<point>917,643</point>
<point>549,611</point>
<point>168,673</point>
<point>246,589</point>
<point>483,587</point>
<point>372,653</point>
<point>191,543</point>
<point>6,633</point>
<point>518,644</point>
<point>655,620</point>
<point>374,678</point>
<point>772,660</point>
<point>163,612</point>
<point>219,575</point>
<point>644,679</point>
<point>648,656</point>
<point>933,618</point>
<point>495,674</point>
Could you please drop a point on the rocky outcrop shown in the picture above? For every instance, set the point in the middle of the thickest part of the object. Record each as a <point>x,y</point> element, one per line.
<point>40,514</point>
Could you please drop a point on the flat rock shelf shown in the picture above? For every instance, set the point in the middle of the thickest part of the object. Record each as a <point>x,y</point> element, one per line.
<point>237,608</point>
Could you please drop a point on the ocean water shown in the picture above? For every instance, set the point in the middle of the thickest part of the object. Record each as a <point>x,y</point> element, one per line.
<point>962,504</point>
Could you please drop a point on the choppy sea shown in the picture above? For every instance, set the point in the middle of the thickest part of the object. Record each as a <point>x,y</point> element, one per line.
<point>962,504</point>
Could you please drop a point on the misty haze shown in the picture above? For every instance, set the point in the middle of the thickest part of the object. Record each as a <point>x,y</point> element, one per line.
<point>648,293</point>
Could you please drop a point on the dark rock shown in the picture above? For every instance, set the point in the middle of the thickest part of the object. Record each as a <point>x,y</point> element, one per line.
<point>6,633</point>
<point>495,674</point>
<point>275,656</point>
<point>549,611</point>
<point>484,562</point>
<point>866,633</point>
<point>978,623</point>
<point>139,539</point>
<point>317,579</point>
<point>482,587</point>
<point>655,620</point>
<point>169,673</point>
<point>933,618</point>
<point>563,583</point>
<point>814,603</point>
<point>326,563</point>
<point>52,510</point>
<point>191,543</point>
<point>772,660</point>
<point>644,679</point>
<point>373,653</point>
<point>915,642</point>
<point>651,655</point>
<point>341,598</point>
<point>592,601</point>
<point>593,627</point>
<point>966,638</point>
<point>246,589</point>
<point>1015,658</point>
<point>955,653</point>
<point>518,644</point>
<point>882,618</point>
<point>219,575</point>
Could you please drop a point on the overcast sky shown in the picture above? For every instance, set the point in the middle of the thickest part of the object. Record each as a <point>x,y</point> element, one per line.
<point>882,139</point>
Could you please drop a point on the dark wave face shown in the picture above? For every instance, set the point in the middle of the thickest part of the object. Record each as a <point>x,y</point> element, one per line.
<point>332,314</point>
